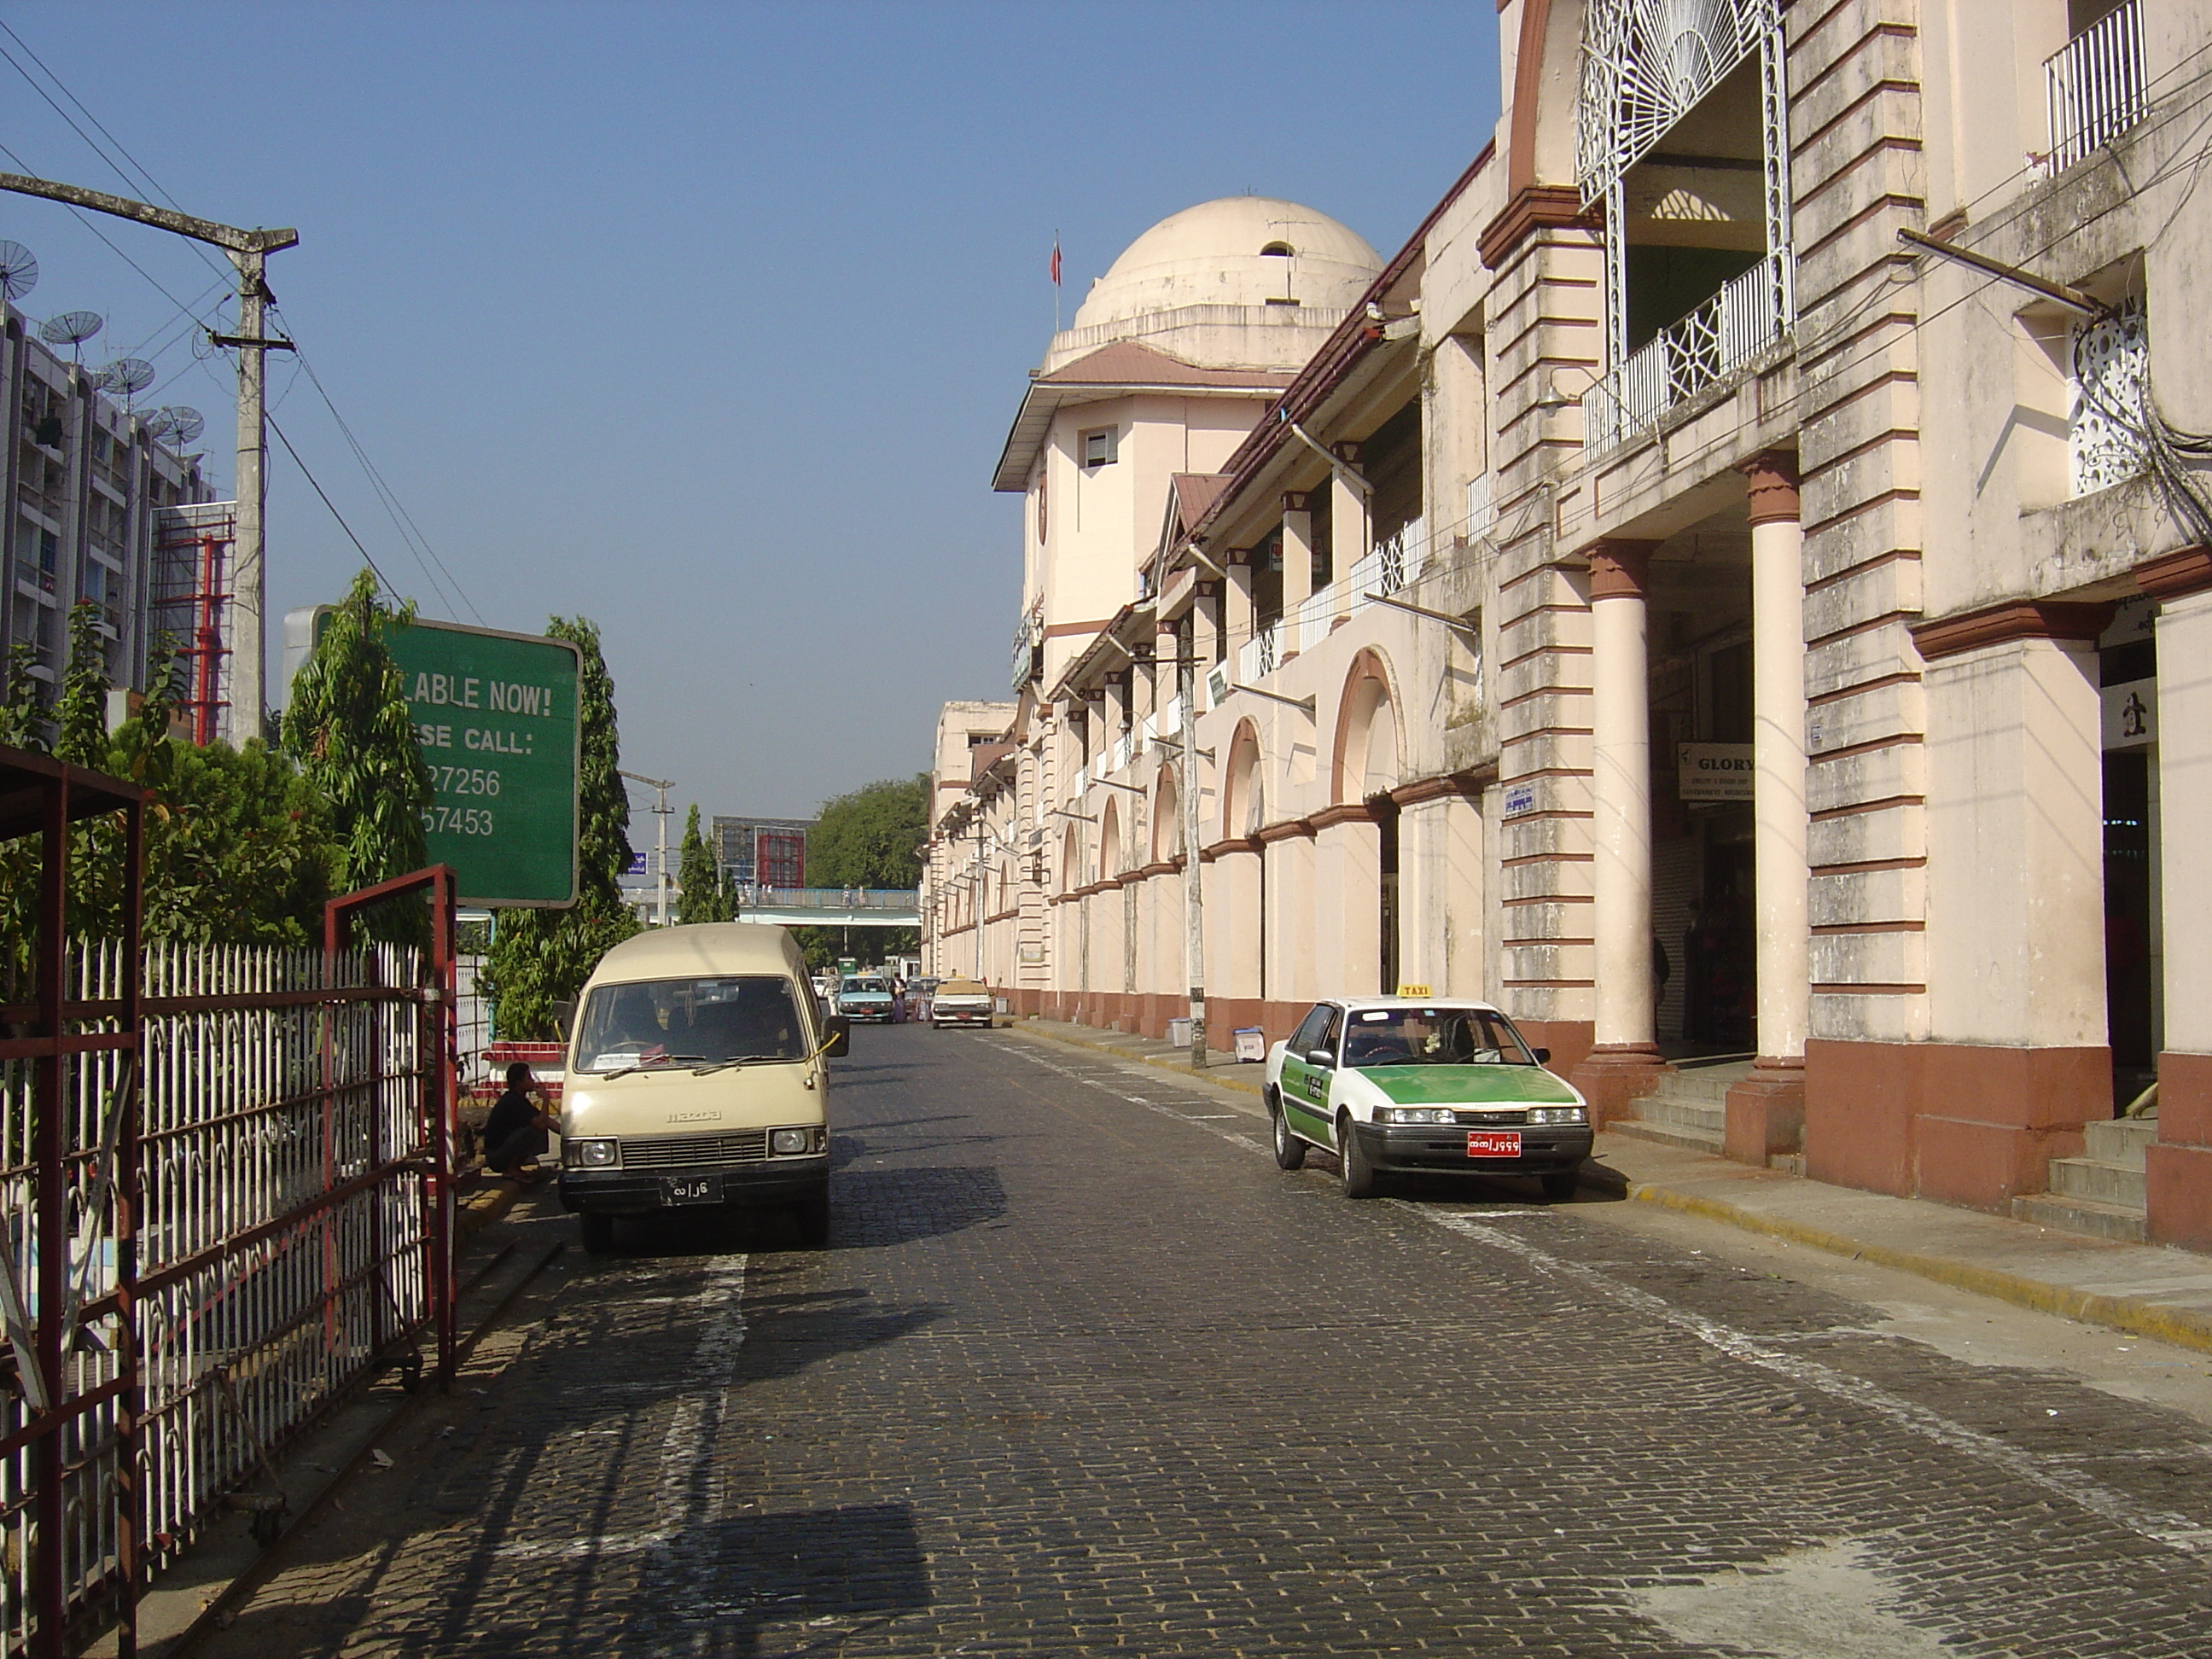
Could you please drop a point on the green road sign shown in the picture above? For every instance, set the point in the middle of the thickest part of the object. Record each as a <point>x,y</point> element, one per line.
<point>497,718</point>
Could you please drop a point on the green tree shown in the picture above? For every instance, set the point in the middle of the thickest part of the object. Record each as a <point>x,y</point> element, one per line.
<point>80,713</point>
<point>542,958</point>
<point>23,710</point>
<point>869,837</point>
<point>238,848</point>
<point>349,730</point>
<point>699,874</point>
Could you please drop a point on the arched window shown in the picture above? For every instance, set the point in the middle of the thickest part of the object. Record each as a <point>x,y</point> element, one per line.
<point>1276,251</point>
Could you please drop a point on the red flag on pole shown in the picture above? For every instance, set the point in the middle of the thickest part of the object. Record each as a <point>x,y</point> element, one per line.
<point>1055,258</point>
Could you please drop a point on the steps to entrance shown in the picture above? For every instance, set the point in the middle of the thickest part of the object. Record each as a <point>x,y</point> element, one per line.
<point>2101,1191</point>
<point>1688,1108</point>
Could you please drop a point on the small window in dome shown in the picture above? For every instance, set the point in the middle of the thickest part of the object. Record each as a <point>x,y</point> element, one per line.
<point>1276,250</point>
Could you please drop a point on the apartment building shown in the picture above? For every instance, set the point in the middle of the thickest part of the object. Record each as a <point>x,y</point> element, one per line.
<point>100,513</point>
<point>1733,589</point>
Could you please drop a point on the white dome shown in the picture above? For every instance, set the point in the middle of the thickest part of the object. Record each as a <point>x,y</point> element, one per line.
<point>1214,254</point>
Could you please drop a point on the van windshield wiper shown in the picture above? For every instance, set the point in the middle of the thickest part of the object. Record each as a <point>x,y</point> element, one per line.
<point>734,1060</point>
<point>660,1065</point>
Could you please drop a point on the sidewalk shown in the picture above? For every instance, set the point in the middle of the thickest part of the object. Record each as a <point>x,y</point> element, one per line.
<point>2145,1289</point>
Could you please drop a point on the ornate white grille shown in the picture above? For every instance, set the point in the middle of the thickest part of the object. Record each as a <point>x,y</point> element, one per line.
<point>2112,357</point>
<point>1645,64</point>
<point>1720,336</point>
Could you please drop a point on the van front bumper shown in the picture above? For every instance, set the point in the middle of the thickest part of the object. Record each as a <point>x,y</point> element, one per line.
<point>641,1192</point>
<point>1440,1149</point>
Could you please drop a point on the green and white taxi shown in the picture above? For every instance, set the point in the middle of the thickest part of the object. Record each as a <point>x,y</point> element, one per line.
<point>1418,1086</point>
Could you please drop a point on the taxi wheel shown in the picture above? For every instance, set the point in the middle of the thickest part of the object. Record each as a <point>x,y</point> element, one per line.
<point>1290,1150</point>
<point>1560,1185</point>
<point>598,1233</point>
<point>1358,1173</point>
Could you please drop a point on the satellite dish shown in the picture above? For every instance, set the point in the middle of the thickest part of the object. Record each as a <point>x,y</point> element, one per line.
<point>71,328</point>
<point>19,271</point>
<point>126,377</point>
<point>175,426</point>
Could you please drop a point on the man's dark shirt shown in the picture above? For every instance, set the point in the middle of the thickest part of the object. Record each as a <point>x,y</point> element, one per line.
<point>514,1110</point>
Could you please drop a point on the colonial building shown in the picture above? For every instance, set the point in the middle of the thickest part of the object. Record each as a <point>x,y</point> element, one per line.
<point>1733,589</point>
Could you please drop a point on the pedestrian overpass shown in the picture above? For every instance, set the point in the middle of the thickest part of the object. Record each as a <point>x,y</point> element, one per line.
<point>831,907</point>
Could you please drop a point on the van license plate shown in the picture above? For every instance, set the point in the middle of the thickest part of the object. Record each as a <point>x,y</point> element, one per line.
<point>1493,1143</point>
<point>691,1190</point>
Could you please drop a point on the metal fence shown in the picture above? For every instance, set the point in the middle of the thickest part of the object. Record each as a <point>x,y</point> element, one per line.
<point>279,1147</point>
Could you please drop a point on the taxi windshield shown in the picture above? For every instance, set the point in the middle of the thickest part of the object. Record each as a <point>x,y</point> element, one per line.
<point>1432,1036</point>
<point>866,987</point>
<point>690,1022</point>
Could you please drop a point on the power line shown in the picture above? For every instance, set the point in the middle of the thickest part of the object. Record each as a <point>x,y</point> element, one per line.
<point>434,567</point>
<point>333,506</point>
<point>411,533</point>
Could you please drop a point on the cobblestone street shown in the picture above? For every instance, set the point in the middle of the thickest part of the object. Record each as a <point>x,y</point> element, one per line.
<point>1084,1373</point>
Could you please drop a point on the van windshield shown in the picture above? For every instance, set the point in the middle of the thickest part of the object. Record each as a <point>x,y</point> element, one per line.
<point>1432,1036</point>
<point>690,1022</point>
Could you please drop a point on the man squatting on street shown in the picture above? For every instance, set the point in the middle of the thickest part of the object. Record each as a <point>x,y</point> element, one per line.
<point>515,1132</point>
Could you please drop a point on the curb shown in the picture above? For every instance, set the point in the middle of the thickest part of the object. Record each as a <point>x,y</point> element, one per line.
<point>1228,1079</point>
<point>2181,1327</point>
<point>483,1206</point>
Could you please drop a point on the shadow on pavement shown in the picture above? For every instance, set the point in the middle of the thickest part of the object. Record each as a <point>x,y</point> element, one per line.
<point>844,1566</point>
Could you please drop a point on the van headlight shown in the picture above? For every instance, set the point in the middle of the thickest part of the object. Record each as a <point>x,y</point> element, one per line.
<point>789,1141</point>
<point>1558,1115</point>
<point>591,1154</point>
<point>1415,1115</point>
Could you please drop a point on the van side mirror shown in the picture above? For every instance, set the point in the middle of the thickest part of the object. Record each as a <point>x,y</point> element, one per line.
<point>564,1019</point>
<point>841,1036</point>
<point>1321,1057</point>
<point>1543,1056</point>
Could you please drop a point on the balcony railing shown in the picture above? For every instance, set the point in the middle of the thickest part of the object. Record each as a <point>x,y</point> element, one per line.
<point>1746,317</point>
<point>1081,786</point>
<point>1397,559</point>
<point>2095,85</point>
<point>1124,746</point>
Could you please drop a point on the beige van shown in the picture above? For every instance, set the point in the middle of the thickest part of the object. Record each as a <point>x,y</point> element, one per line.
<point>698,1079</point>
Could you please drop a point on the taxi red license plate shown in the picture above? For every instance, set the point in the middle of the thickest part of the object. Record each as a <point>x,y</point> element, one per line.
<point>1493,1143</point>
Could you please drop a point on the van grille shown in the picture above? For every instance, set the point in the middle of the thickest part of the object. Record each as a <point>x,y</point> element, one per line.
<point>695,1151</point>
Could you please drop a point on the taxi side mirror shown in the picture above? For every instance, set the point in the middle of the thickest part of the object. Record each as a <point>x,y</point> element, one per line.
<point>1543,1056</point>
<point>841,1036</point>
<point>1321,1057</point>
<point>564,1019</point>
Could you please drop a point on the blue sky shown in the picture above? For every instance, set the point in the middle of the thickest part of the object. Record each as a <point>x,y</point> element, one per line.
<point>704,321</point>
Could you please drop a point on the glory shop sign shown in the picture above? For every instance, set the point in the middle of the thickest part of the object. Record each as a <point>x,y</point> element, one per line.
<point>496,717</point>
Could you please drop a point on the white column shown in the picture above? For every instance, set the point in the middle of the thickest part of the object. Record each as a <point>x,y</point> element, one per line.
<point>1621,791</point>
<point>1298,565</point>
<point>1778,814</point>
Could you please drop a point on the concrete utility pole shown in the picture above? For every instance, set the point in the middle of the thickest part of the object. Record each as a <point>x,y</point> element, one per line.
<point>661,809</point>
<point>248,250</point>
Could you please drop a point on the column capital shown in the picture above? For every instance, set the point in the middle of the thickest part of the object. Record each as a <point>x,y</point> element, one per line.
<point>1294,501</point>
<point>1772,477</point>
<point>1618,567</point>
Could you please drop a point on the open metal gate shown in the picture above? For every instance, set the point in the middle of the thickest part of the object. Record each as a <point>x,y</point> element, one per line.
<point>224,1202</point>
